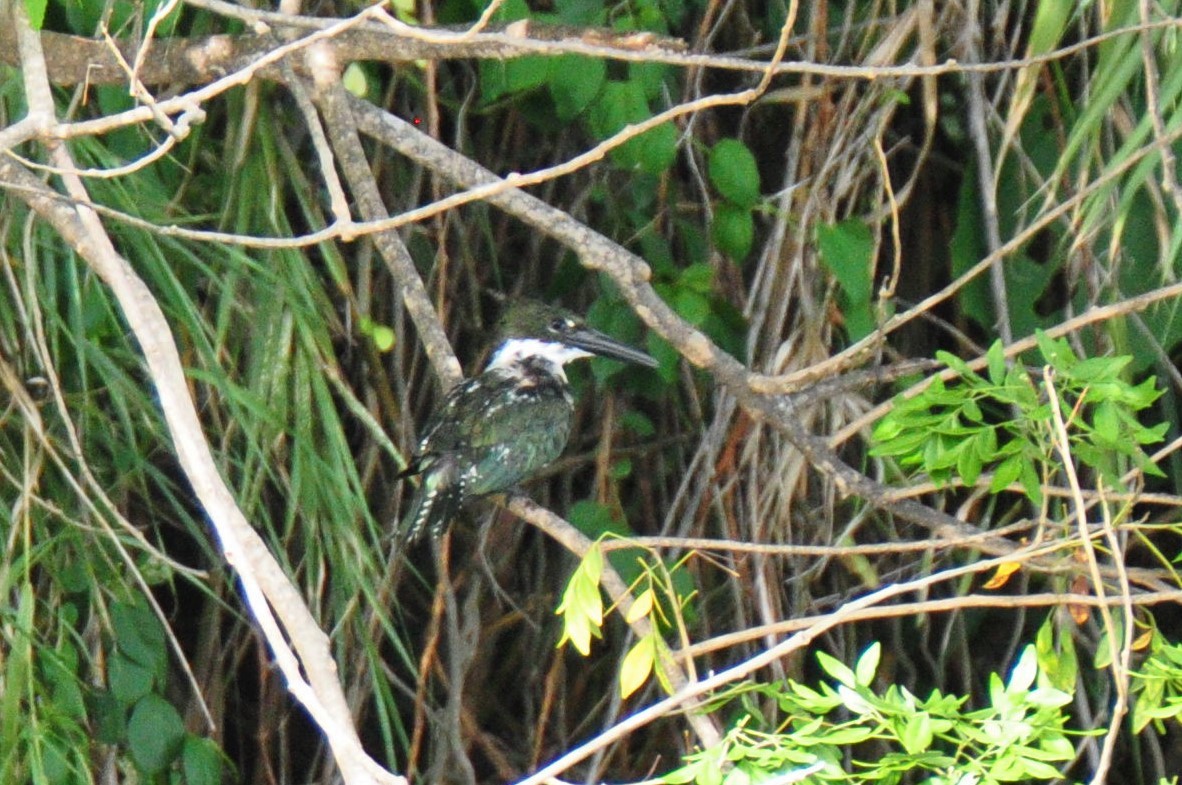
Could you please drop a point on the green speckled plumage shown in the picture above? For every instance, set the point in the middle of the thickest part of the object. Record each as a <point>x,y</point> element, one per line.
<point>495,430</point>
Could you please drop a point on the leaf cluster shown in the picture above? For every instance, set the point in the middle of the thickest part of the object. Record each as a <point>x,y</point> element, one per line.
<point>1018,736</point>
<point>1002,422</point>
<point>1157,686</point>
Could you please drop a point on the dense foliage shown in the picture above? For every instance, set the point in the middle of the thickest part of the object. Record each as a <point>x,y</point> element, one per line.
<point>865,566</point>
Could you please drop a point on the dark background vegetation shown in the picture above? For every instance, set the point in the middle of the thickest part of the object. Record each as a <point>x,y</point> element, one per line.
<point>784,227</point>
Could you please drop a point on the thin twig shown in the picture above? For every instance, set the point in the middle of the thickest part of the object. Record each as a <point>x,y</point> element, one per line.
<point>331,97</point>
<point>1119,638</point>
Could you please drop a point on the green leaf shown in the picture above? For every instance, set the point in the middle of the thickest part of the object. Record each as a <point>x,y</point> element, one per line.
<point>968,463</point>
<point>60,670</point>
<point>1036,769</point>
<point>1022,677</point>
<point>682,776</point>
<point>622,103</point>
<point>641,607</point>
<point>943,452</point>
<point>733,230</point>
<point>954,363</point>
<point>201,761</point>
<point>354,80</point>
<point>35,9</point>
<point>652,152</point>
<point>710,772</point>
<point>637,665</point>
<point>1056,353</point>
<point>581,608</point>
<point>621,469</point>
<point>577,630</point>
<point>653,78</point>
<point>812,700</point>
<point>906,448</point>
<point>129,681</point>
<point>56,766</point>
<point>593,519</point>
<point>887,428</point>
<point>699,277</point>
<point>1146,465</point>
<point>619,104</point>
<point>1143,435</point>
<point>738,775</point>
<point>67,697</point>
<point>580,13</point>
<point>637,423</point>
<point>847,251</point>
<point>526,73</point>
<point>109,718</point>
<point>1057,747</point>
<point>1060,666</point>
<point>664,353</point>
<point>734,173</point>
<point>972,411</point>
<point>1099,369</point>
<point>850,735</point>
<point>986,444</point>
<point>155,734</point>
<point>138,634</point>
<point>1031,482</point>
<point>405,11</point>
<point>383,338</point>
<point>867,664</point>
<point>1018,389</point>
<point>1008,768</point>
<point>1048,697</point>
<point>837,669</point>
<point>493,84</point>
<point>691,305</point>
<point>1106,423</point>
<point>995,359</point>
<point>498,78</point>
<point>575,81</point>
<point>382,335</point>
<point>917,733</point>
<point>952,426</point>
<point>1144,394</point>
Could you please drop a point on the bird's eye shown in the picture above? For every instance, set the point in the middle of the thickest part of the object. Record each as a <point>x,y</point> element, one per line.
<point>560,325</point>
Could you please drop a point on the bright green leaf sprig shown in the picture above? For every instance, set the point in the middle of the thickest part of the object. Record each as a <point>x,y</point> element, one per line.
<point>1157,686</point>
<point>581,608</point>
<point>656,589</point>
<point>1019,736</point>
<point>1001,422</point>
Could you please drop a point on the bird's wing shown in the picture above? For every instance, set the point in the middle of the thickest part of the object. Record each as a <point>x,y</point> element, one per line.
<point>444,431</point>
<point>481,421</point>
<point>448,428</point>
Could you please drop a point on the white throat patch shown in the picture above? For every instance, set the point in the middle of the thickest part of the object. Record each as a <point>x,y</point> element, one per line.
<point>514,351</point>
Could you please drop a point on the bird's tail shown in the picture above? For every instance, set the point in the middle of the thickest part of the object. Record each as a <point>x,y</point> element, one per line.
<point>439,498</point>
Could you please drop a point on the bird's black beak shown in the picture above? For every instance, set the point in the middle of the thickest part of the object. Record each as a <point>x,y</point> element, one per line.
<point>597,343</point>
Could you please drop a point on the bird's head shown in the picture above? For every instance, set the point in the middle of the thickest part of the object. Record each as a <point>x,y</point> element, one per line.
<point>530,329</point>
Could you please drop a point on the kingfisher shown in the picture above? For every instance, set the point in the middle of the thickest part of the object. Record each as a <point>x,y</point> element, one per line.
<point>497,429</point>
